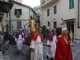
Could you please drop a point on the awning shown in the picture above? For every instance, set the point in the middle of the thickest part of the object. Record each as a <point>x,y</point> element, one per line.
<point>70,20</point>
<point>5,6</point>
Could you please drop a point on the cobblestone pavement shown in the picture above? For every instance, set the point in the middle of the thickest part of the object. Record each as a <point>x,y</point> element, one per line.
<point>12,55</point>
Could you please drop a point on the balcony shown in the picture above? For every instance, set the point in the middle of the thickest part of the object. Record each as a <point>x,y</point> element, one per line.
<point>44,1</point>
<point>5,6</point>
<point>47,2</point>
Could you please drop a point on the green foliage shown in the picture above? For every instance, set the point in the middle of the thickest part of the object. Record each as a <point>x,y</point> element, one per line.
<point>45,31</point>
<point>6,35</point>
<point>59,30</point>
<point>44,27</point>
<point>28,39</point>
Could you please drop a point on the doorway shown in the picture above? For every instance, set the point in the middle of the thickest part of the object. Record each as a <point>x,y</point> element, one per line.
<point>70,26</point>
<point>54,24</point>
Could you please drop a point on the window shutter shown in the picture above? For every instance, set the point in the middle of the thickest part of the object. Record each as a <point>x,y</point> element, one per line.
<point>55,9</point>
<point>69,4</point>
<point>48,12</point>
<point>48,23</point>
<point>15,12</point>
<point>72,3</point>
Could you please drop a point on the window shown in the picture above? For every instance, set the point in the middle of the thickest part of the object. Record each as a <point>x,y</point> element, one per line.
<point>54,25</point>
<point>48,12</point>
<point>48,23</point>
<point>18,24</point>
<point>18,11</point>
<point>71,4</point>
<point>55,9</point>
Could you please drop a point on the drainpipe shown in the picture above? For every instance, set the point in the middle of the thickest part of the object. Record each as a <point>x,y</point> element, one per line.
<point>78,14</point>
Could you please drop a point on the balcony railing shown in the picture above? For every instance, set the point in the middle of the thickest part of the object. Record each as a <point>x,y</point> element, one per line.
<point>45,1</point>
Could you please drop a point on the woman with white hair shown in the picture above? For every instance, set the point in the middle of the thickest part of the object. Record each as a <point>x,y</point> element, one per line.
<point>63,50</point>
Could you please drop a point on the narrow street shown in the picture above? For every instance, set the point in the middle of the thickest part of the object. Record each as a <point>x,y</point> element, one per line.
<point>11,54</point>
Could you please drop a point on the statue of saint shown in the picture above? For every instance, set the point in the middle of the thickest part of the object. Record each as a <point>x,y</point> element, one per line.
<point>32,25</point>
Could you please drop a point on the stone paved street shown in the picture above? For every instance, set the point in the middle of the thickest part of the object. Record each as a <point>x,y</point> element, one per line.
<point>12,55</point>
<point>76,50</point>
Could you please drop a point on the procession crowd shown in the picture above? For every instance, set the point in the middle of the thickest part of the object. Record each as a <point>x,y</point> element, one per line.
<point>58,48</point>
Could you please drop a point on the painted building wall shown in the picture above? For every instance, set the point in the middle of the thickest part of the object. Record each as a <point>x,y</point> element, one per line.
<point>64,12</point>
<point>24,18</point>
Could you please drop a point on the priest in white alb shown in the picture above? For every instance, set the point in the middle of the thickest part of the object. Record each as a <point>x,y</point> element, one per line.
<point>37,45</point>
<point>51,44</point>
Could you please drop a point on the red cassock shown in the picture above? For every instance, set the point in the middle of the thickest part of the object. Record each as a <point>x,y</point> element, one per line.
<point>63,50</point>
<point>36,35</point>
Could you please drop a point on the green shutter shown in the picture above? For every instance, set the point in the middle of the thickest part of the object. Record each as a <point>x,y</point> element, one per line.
<point>20,11</point>
<point>55,9</point>
<point>15,11</point>
<point>48,12</point>
<point>71,4</point>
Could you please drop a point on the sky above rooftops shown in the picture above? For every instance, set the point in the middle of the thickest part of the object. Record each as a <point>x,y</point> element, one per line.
<point>32,3</point>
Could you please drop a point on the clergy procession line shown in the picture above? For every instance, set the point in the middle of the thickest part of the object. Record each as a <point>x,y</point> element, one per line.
<point>57,49</point>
